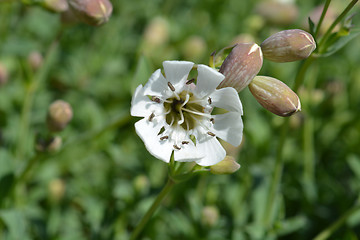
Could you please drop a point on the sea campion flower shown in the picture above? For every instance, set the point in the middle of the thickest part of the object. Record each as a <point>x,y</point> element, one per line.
<point>177,114</point>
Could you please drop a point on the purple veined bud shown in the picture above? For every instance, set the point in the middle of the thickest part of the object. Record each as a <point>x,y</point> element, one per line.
<point>92,12</point>
<point>275,96</point>
<point>59,115</point>
<point>241,66</point>
<point>277,12</point>
<point>55,5</point>
<point>35,60</point>
<point>288,46</point>
<point>4,75</point>
<point>226,166</point>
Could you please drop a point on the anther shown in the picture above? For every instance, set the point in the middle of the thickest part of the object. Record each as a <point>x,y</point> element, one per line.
<point>155,99</point>
<point>211,134</point>
<point>190,81</point>
<point>176,147</point>
<point>164,137</point>
<point>212,120</point>
<point>184,142</point>
<point>151,117</point>
<point>209,100</point>
<point>171,87</point>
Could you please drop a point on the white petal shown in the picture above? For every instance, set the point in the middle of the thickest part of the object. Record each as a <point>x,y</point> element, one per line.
<point>188,153</point>
<point>207,81</point>
<point>213,150</point>
<point>177,72</point>
<point>142,106</point>
<point>227,98</point>
<point>156,85</point>
<point>148,132</point>
<point>229,127</point>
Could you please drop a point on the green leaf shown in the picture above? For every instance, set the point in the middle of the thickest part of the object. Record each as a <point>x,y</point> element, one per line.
<point>339,42</point>
<point>354,164</point>
<point>16,223</point>
<point>311,27</point>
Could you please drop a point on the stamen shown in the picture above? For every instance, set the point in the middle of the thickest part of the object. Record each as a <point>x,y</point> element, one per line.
<point>151,117</point>
<point>196,113</point>
<point>184,142</point>
<point>155,99</point>
<point>212,120</point>
<point>209,100</point>
<point>211,134</point>
<point>164,137</point>
<point>176,147</point>
<point>190,81</point>
<point>181,117</point>
<point>171,86</point>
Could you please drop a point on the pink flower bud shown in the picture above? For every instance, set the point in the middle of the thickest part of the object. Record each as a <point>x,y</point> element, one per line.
<point>3,75</point>
<point>288,46</point>
<point>92,12</point>
<point>275,96</point>
<point>241,66</point>
<point>59,115</point>
<point>277,13</point>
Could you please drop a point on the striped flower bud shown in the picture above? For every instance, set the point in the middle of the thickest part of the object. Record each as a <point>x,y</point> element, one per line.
<point>59,115</point>
<point>226,166</point>
<point>35,60</point>
<point>92,12</point>
<point>275,96</point>
<point>241,66</point>
<point>278,12</point>
<point>288,46</point>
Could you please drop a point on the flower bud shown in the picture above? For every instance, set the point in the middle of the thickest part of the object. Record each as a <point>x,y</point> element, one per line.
<point>156,32</point>
<point>277,13</point>
<point>35,60</point>
<point>226,166</point>
<point>59,115</point>
<point>288,46</point>
<point>57,189</point>
<point>275,96</point>
<point>3,75</point>
<point>92,12</point>
<point>209,216</point>
<point>55,5</point>
<point>241,66</point>
<point>194,48</point>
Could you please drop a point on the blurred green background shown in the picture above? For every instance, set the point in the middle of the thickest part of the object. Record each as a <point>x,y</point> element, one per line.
<point>102,180</point>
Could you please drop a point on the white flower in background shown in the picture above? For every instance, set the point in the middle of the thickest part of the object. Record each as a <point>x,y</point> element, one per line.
<point>177,114</point>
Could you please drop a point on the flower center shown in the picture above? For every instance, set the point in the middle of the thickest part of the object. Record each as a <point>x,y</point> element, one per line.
<point>184,110</point>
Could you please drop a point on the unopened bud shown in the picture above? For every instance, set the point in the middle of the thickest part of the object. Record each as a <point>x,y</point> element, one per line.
<point>57,189</point>
<point>55,5</point>
<point>194,48</point>
<point>226,166</point>
<point>3,75</point>
<point>241,66</point>
<point>92,12</point>
<point>142,184</point>
<point>209,216</point>
<point>275,96</point>
<point>278,13</point>
<point>156,32</point>
<point>35,60</point>
<point>59,115</point>
<point>288,46</point>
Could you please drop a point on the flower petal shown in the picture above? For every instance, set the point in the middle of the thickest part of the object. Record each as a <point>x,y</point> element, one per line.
<point>213,151</point>
<point>207,81</point>
<point>229,127</point>
<point>227,98</point>
<point>177,72</point>
<point>148,132</point>
<point>188,153</point>
<point>156,85</point>
<point>142,106</point>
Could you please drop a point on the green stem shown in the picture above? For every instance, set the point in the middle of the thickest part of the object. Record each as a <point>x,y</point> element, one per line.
<point>325,234</point>
<point>279,164</point>
<point>326,6</point>
<point>333,25</point>
<point>169,185</point>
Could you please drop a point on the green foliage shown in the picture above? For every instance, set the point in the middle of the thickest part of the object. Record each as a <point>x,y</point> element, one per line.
<point>102,180</point>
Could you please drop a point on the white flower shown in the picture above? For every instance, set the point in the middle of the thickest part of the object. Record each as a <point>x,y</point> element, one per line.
<point>177,114</point>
